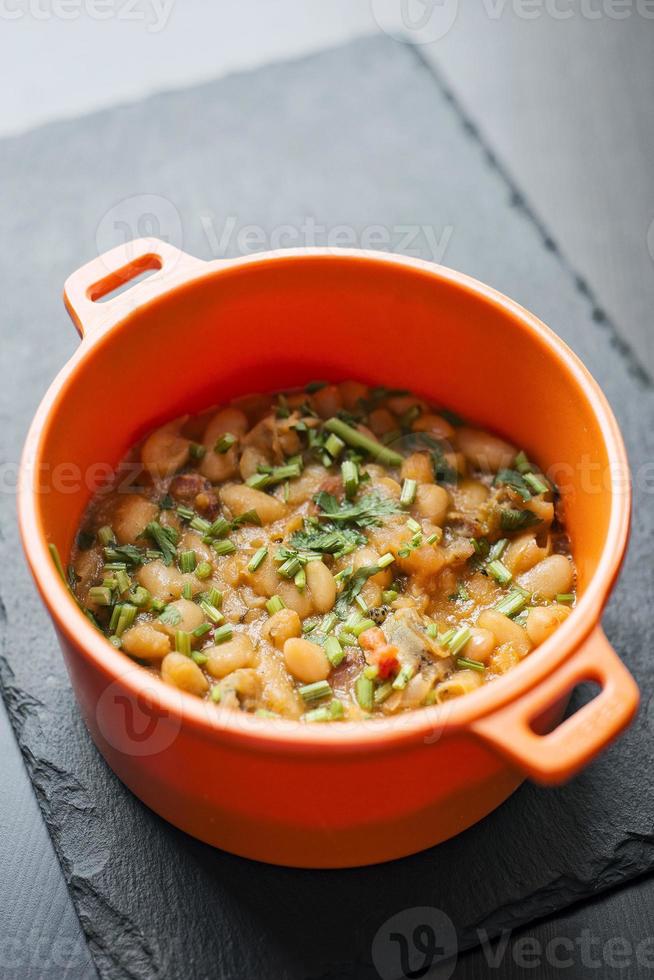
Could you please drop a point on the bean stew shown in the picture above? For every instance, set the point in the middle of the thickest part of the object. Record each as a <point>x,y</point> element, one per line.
<point>338,552</point>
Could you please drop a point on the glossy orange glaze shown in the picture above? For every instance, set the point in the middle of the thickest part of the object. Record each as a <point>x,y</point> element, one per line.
<point>200,333</point>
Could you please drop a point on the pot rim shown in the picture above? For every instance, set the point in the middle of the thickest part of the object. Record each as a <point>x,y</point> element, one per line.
<point>419,725</point>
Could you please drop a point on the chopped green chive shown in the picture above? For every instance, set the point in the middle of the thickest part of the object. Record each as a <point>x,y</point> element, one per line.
<point>210,611</point>
<point>214,597</point>
<point>247,517</point>
<point>343,574</point>
<point>362,626</point>
<point>521,463</point>
<point>535,483</point>
<point>382,692</point>
<point>513,603</point>
<point>126,618</point>
<point>315,691</point>
<point>201,630</point>
<point>274,604</point>
<point>224,547</point>
<point>457,642</point>
<point>101,595</point>
<point>257,559</point>
<point>218,529</point>
<point>386,560</point>
<point>389,596</point>
<point>300,580</point>
<point>371,672</point>
<point>196,450</point>
<point>364,690</point>
<point>106,536</point>
<point>328,623</point>
<point>258,481</point>
<point>187,591</point>
<point>224,443</point>
<point>200,524</point>
<point>565,598</point>
<point>123,581</point>
<point>498,549</point>
<point>187,561</point>
<point>186,513</point>
<point>413,526</point>
<point>216,693</point>
<point>432,631</point>
<point>158,605</point>
<point>334,446</point>
<point>140,597</point>
<point>356,439</point>
<point>265,713</point>
<point>199,658</point>
<point>350,477</point>
<point>404,676</point>
<point>115,642</point>
<point>333,651</point>
<point>183,642</point>
<point>203,570</point>
<point>408,493</point>
<point>463,663</point>
<point>223,633</point>
<point>497,570</point>
<point>326,712</point>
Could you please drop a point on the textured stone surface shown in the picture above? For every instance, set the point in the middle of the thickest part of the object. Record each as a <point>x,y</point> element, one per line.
<point>385,146</point>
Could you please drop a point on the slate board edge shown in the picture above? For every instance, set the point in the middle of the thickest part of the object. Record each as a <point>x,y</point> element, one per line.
<point>22,707</point>
<point>517,200</point>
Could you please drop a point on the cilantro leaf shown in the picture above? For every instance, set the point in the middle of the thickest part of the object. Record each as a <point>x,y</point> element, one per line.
<point>515,480</point>
<point>366,512</point>
<point>165,539</point>
<point>513,519</point>
<point>328,539</point>
<point>353,587</point>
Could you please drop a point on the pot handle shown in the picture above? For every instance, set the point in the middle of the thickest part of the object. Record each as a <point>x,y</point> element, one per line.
<point>102,275</point>
<point>555,757</point>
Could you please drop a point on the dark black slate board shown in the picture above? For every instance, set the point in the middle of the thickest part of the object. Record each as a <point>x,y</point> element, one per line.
<point>363,135</point>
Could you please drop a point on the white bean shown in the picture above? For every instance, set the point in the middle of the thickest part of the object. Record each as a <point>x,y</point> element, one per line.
<point>432,503</point>
<point>166,451</point>
<point>542,621</point>
<point>483,450</point>
<point>228,657</point>
<point>306,661</point>
<point>321,585</point>
<point>145,642</point>
<point>505,630</point>
<point>184,673</point>
<point>282,626</point>
<point>239,499</point>
<point>191,616</point>
<point>549,578</point>
<point>131,516</point>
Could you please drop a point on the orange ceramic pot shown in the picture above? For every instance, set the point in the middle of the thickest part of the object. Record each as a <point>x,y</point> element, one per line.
<point>195,334</point>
